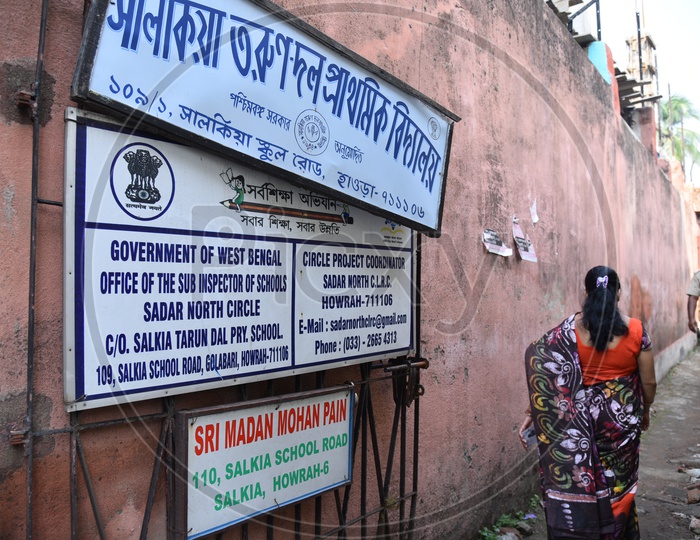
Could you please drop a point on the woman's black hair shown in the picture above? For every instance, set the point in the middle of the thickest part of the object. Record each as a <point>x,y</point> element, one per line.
<point>600,315</point>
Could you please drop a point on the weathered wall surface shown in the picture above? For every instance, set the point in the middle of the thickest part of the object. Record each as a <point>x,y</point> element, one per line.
<point>538,128</point>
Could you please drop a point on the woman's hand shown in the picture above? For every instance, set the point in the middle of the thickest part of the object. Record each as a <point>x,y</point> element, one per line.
<point>645,419</point>
<point>527,422</point>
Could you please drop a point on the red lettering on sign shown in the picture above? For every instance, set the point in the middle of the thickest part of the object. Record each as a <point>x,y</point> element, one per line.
<point>248,430</point>
<point>335,411</point>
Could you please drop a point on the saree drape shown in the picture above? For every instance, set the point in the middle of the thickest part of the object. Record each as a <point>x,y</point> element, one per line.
<point>588,441</point>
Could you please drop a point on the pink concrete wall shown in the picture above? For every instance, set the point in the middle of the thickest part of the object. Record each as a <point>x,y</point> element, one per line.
<point>538,125</point>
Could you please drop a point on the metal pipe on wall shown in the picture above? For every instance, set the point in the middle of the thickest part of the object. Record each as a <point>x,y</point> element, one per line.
<point>29,425</point>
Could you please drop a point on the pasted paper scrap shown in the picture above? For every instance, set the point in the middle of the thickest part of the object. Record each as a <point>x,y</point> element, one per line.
<point>522,241</point>
<point>533,212</point>
<point>494,244</point>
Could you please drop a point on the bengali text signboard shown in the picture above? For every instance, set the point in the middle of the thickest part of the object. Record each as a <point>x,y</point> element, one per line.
<point>185,271</point>
<point>264,87</point>
<point>235,462</point>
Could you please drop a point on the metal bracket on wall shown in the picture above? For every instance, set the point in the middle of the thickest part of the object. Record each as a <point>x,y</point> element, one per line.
<point>18,437</point>
<point>25,98</point>
<point>407,388</point>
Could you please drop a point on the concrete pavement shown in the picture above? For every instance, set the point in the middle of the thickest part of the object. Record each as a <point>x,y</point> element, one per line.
<point>669,453</point>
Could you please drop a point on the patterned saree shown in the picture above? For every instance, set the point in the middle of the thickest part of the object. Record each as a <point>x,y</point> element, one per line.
<point>588,442</point>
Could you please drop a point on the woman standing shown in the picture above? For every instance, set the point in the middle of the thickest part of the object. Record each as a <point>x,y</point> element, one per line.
<point>591,382</point>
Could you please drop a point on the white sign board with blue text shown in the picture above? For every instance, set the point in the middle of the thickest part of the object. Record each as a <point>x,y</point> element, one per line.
<point>250,80</point>
<point>186,271</point>
<point>235,462</point>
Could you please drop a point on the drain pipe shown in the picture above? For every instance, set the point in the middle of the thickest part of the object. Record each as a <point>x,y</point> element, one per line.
<point>29,425</point>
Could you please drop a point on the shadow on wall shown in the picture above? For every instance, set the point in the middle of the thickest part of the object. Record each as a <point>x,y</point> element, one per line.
<point>640,301</point>
<point>667,351</point>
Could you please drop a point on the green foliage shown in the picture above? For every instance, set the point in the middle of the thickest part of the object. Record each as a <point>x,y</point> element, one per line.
<point>510,520</point>
<point>676,142</point>
<point>506,520</point>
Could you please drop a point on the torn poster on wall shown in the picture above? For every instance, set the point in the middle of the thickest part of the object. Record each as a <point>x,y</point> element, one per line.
<point>522,241</point>
<point>494,244</point>
<point>533,212</point>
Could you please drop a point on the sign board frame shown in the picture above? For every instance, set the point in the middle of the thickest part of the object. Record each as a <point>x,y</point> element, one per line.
<point>119,337</point>
<point>331,120</point>
<point>248,433</point>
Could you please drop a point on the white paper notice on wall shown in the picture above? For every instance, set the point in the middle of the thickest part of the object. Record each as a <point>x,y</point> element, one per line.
<point>533,212</point>
<point>494,244</point>
<point>522,241</point>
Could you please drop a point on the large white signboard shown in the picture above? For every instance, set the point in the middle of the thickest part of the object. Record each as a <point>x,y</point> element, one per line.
<point>238,462</point>
<point>185,271</point>
<point>236,77</point>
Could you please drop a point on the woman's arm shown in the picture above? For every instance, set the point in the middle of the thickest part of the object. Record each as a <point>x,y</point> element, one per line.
<point>647,373</point>
<point>692,306</point>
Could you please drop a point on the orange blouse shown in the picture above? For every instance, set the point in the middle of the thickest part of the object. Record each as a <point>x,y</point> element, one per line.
<point>612,363</point>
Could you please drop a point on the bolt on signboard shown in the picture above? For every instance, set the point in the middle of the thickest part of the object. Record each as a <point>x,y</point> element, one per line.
<point>186,271</point>
<point>250,80</point>
<point>235,462</point>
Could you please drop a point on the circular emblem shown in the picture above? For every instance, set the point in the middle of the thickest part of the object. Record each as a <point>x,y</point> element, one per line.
<point>311,132</point>
<point>142,181</point>
<point>434,128</point>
